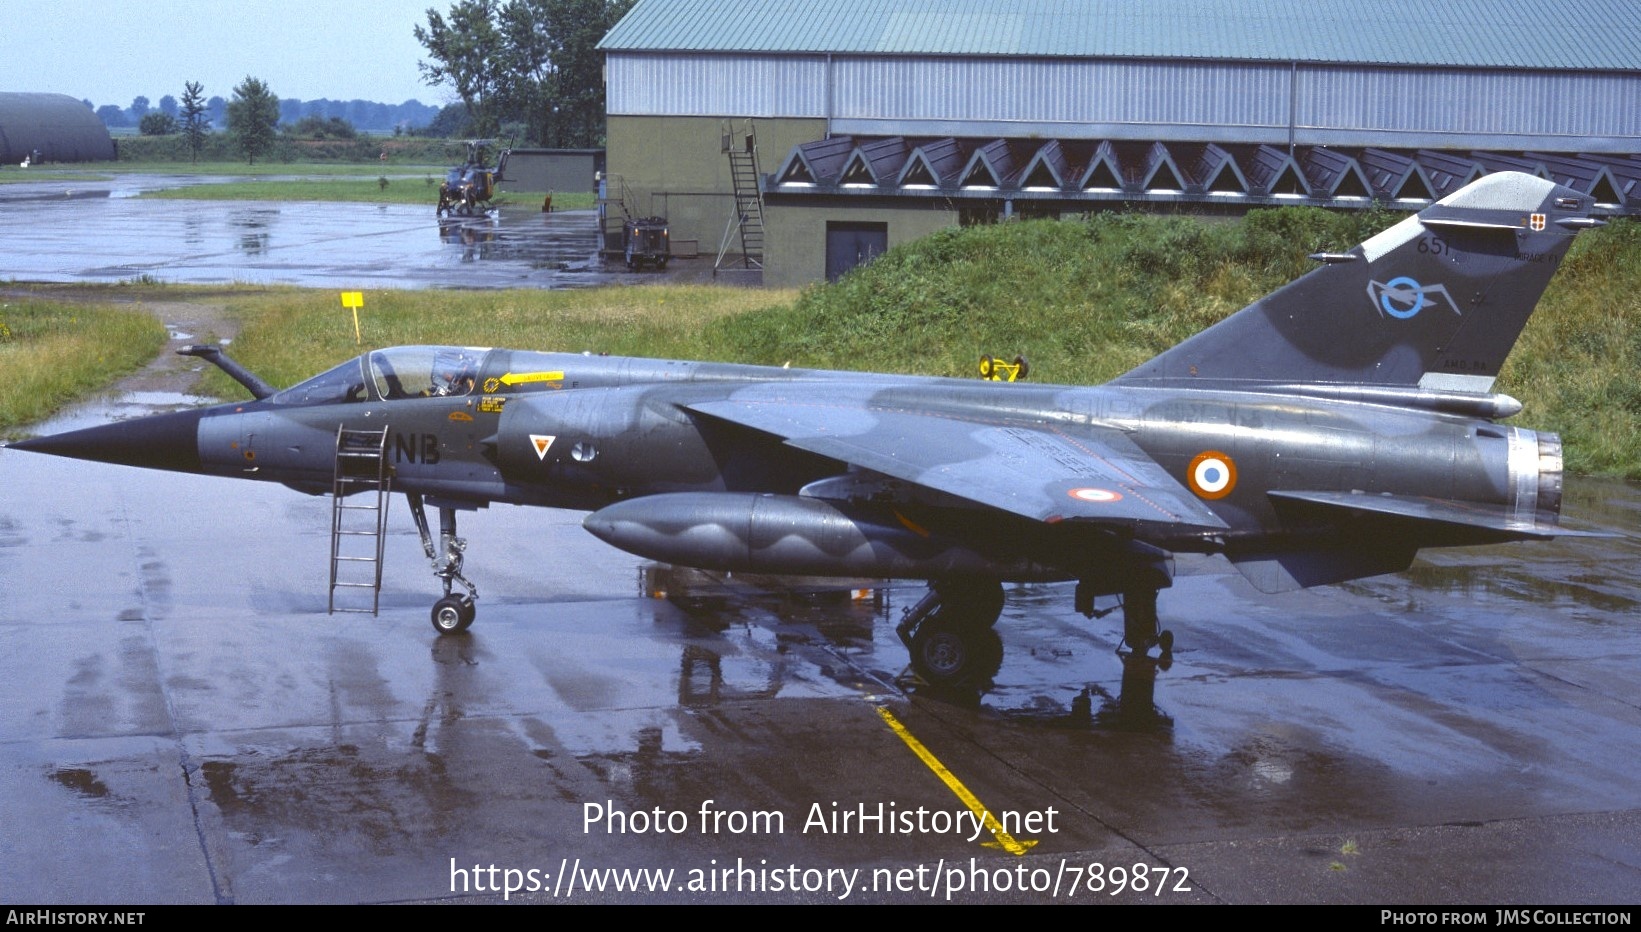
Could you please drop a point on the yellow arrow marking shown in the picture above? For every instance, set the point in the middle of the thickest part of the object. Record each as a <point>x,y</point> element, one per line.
<point>1003,839</point>
<point>519,378</point>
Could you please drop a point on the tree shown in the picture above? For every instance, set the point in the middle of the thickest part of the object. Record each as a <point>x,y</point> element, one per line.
<point>112,115</point>
<point>316,127</point>
<point>168,106</point>
<point>253,118</point>
<point>570,107</point>
<point>155,123</point>
<point>451,120</point>
<point>534,61</point>
<point>463,52</point>
<point>193,116</point>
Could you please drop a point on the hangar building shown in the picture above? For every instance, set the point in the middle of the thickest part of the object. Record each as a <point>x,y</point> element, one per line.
<point>59,127</point>
<point>811,134</point>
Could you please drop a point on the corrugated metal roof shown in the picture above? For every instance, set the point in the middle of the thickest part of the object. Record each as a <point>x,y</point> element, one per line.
<point>1582,34</point>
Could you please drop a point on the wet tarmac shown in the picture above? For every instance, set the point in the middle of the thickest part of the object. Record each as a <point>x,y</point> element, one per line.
<point>100,231</point>
<point>184,723</point>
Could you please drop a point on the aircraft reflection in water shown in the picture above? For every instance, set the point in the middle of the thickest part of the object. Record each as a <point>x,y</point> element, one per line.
<point>1324,433</point>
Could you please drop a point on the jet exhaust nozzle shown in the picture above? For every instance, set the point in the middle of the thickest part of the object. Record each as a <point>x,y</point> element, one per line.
<point>1535,475</point>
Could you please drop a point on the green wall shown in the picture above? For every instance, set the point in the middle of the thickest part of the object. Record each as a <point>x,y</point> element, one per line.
<point>675,167</point>
<point>797,234</point>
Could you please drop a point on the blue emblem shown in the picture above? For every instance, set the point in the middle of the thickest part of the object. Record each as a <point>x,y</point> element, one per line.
<point>1403,297</point>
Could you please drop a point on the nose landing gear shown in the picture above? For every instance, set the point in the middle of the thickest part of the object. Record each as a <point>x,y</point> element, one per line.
<point>454,613</point>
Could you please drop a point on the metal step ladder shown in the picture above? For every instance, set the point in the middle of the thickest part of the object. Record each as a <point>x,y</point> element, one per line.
<point>748,217</point>
<point>362,471</point>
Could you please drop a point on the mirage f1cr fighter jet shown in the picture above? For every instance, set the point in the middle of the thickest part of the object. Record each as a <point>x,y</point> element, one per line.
<point>1324,433</point>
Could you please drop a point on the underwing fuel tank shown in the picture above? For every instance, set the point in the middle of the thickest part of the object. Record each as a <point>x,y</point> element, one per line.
<point>792,535</point>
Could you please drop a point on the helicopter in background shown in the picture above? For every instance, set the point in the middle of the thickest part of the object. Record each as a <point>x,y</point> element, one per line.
<point>468,187</point>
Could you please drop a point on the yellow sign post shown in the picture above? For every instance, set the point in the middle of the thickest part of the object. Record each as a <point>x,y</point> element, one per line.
<point>355,300</point>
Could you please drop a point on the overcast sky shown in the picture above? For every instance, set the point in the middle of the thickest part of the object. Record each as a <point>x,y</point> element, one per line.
<point>112,50</point>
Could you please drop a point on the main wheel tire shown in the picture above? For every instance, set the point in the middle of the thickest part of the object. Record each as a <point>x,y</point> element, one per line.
<point>953,656</point>
<point>452,614</point>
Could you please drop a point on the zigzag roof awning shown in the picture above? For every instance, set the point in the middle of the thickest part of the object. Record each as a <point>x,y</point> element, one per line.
<point>1068,172</point>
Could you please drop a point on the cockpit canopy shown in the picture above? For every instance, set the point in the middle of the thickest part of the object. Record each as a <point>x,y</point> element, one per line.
<point>391,374</point>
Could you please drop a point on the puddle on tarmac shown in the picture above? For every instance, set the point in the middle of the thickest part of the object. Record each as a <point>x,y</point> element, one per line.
<point>121,407</point>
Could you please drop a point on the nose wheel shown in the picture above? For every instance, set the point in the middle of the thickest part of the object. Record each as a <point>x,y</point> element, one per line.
<point>454,613</point>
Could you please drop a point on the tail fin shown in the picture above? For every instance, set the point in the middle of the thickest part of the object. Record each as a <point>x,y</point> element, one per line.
<point>1435,302</point>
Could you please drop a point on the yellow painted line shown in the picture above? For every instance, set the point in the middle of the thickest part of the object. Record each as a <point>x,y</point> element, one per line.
<point>519,378</point>
<point>1002,838</point>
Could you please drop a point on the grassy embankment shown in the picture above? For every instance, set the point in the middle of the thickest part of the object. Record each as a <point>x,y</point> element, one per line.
<point>1088,301</point>
<point>53,353</point>
<point>1576,365</point>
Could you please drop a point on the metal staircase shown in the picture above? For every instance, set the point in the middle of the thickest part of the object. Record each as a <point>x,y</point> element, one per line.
<point>748,218</point>
<point>361,470</point>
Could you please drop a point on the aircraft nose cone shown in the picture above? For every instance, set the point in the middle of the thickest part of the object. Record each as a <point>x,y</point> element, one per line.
<point>164,441</point>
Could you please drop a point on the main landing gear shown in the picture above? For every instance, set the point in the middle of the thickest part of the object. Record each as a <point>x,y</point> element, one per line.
<point>1140,628</point>
<point>454,613</point>
<point>949,633</point>
<point>950,637</point>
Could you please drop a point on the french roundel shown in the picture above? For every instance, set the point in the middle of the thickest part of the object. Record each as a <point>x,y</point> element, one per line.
<point>1211,474</point>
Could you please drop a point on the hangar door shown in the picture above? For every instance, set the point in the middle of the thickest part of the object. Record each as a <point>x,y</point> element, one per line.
<point>852,243</point>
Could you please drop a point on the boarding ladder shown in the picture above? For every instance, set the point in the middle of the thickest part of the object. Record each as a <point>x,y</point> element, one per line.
<point>362,471</point>
<point>748,218</point>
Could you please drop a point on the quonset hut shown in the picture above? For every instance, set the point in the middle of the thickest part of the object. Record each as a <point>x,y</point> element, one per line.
<point>809,135</point>
<point>59,127</point>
